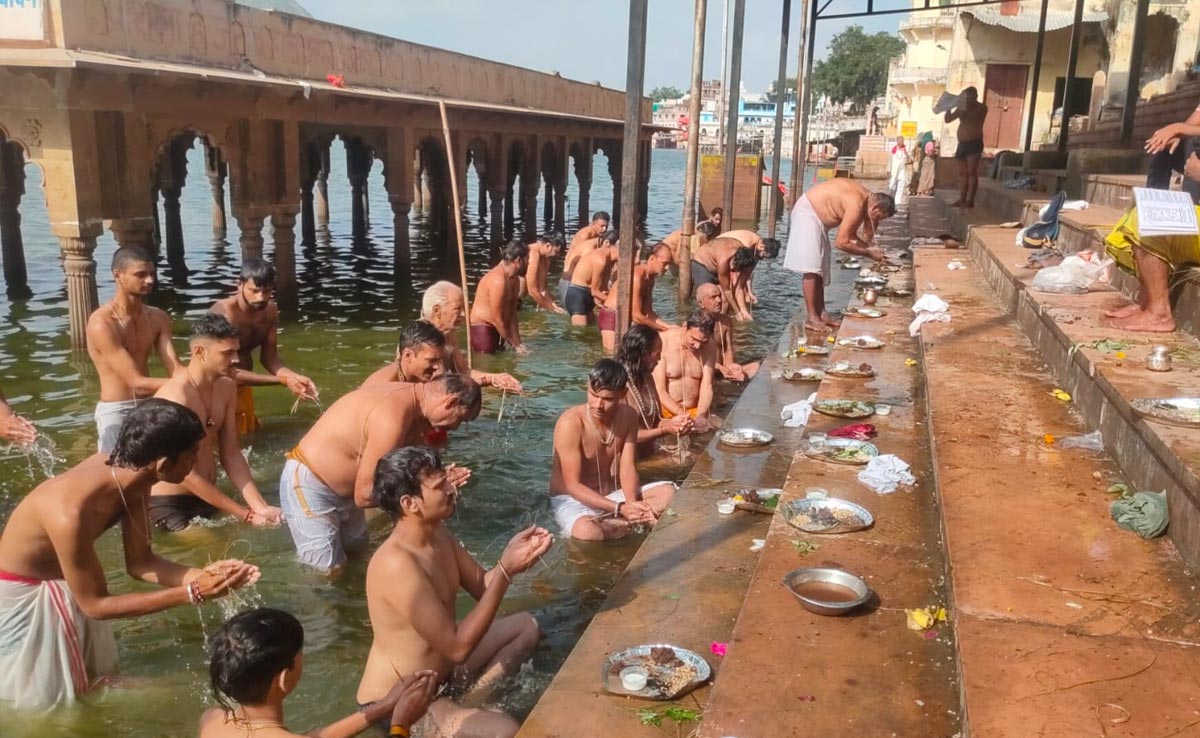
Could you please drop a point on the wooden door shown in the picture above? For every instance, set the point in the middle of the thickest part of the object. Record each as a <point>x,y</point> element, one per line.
<point>1004,94</point>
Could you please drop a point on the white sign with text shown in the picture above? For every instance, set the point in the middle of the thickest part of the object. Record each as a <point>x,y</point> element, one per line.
<point>1165,213</point>
<point>23,20</point>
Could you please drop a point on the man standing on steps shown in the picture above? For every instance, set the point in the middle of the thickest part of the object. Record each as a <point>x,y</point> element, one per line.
<point>970,115</point>
<point>256,316</point>
<point>120,334</point>
<point>838,203</point>
<point>494,323</point>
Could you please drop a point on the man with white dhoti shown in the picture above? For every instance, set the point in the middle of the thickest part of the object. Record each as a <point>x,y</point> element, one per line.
<point>55,643</point>
<point>898,163</point>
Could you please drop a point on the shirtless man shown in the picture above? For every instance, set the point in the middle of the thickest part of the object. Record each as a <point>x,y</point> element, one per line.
<point>541,253</point>
<point>712,263</point>
<point>15,428</point>
<point>326,482</point>
<point>420,356</point>
<point>595,491</point>
<point>644,276</point>
<point>764,248</point>
<point>53,590</point>
<point>684,375</point>
<point>442,306</point>
<point>494,323</point>
<point>715,216</point>
<point>641,350</point>
<point>837,203</point>
<point>710,299</point>
<point>584,240</point>
<point>970,116</point>
<point>256,316</point>
<point>590,280</point>
<point>206,387</point>
<point>120,334</point>
<point>413,582</point>
<point>705,230</point>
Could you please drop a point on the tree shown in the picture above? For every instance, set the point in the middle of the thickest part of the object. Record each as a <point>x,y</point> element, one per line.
<point>658,94</point>
<point>789,87</point>
<point>856,69</point>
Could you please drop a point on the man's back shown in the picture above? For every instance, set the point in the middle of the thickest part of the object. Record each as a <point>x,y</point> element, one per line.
<point>481,308</point>
<point>831,200</point>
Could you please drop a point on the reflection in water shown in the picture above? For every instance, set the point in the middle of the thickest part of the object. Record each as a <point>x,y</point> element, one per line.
<point>349,309</point>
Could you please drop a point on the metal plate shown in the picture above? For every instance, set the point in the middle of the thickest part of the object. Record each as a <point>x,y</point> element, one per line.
<point>847,370</point>
<point>1181,411</point>
<point>744,437</point>
<point>861,342</point>
<point>803,374</point>
<point>839,444</point>
<point>813,350</point>
<point>852,409</point>
<point>871,281</point>
<point>656,687</point>
<point>826,516</point>
<point>865,312</point>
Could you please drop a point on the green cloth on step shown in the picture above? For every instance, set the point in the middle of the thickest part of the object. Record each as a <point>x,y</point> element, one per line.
<point>1144,513</point>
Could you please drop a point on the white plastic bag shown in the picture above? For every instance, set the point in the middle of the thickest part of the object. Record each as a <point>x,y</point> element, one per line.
<point>1073,276</point>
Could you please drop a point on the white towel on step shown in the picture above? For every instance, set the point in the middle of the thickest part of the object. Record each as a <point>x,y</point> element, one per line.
<point>796,414</point>
<point>886,473</point>
<point>928,308</point>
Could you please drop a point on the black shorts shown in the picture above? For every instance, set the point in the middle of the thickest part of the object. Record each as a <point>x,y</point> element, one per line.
<point>702,275</point>
<point>969,148</point>
<point>578,300</point>
<point>176,512</point>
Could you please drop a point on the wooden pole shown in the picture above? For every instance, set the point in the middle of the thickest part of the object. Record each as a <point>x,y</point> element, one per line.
<point>735,97</point>
<point>804,88</point>
<point>780,94</point>
<point>797,165</point>
<point>693,153</point>
<point>1134,85</point>
<point>634,80</point>
<point>1072,64</point>
<point>1037,77</point>
<point>462,256</point>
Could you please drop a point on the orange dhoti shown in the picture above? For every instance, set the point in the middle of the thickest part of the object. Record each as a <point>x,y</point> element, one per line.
<point>667,414</point>
<point>247,421</point>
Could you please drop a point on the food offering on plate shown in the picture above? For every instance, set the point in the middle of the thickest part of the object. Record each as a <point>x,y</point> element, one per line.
<point>826,516</point>
<point>744,437</point>
<point>847,451</point>
<point>807,350</point>
<point>861,342</point>
<point>865,312</point>
<point>1181,411</point>
<point>852,409</point>
<point>850,370</point>
<point>803,374</point>
<point>665,672</point>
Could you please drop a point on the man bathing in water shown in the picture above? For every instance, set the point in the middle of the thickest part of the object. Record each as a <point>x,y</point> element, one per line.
<point>15,428</point>
<point>713,264</point>
<point>710,299</point>
<point>494,323</point>
<point>644,277</point>
<point>584,240</point>
<point>327,480</point>
<point>970,115</point>
<point>256,316</point>
<point>120,335</point>
<point>442,307</point>
<point>413,582</point>
<point>420,356</point>
<point>595,491</point>
<point>590,280</point>
<point>674,240</point>
<point>206,387</point>
<point>847,206</point>
<point>641,350</point>
<point>541,253</point>
<point>763,248</point>
<point>684,375</point>
<point>54,595</point>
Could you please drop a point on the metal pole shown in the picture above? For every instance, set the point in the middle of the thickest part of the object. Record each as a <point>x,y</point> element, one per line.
<point>1037,75</point>
<point>773,205</point>
<point>797,168</point>
<point>807,87</point>
<point>721,98</point>
<point>1135,71</point>
<point>731,128</point>
<point>693,153</point>
<point>634,79</point>
<point>1072,63</point>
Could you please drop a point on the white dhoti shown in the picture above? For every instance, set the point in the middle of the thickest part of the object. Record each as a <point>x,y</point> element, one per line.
<point>808,247</point>
<point>109,417</point>
<point>50,652</point>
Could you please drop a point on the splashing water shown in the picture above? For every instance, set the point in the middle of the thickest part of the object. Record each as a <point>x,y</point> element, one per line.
<point>42,451</point>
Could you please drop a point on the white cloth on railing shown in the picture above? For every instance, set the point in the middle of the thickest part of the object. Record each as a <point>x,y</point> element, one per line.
<point>885,474</point>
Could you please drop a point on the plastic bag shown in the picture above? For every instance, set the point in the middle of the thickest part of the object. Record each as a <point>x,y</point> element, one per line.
<point>1089,442</point>
<point>1074,275</point>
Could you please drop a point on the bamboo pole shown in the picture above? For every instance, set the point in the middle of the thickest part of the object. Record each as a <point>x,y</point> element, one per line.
<point>780,95</point>
<point>634,82</point>
<point>731,125</point>
<point>693,153</point>
<point>462,256</point>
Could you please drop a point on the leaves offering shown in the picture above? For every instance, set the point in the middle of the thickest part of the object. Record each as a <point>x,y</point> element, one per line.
<point>804,547</point>
<point>653,717</point>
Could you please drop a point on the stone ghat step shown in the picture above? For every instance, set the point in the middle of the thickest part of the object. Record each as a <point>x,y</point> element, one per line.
<point>789,672</point>
<point>1066,625</point>
<point>1154,456</point>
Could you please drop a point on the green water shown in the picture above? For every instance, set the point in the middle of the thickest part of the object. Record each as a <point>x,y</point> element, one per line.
<point>350,308</point>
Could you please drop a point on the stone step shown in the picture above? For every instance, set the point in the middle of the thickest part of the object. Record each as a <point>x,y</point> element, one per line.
<point>1111,190</point>
<point>1154,456</point>
<point>1061,619</point>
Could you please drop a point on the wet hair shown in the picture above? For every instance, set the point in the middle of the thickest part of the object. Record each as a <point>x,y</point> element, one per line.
<point>554,238</point>
<point>155,429</point>
<point>771,247</point>
<point>706,229</point>
<point>249,651</point>
<point>420,333</point>
<point>438,294</point>
<point>661,247</point>
<point>743,258</point>
<point>126,256</point>
<point>608,375</point>
<point>212,327</point>
<point>636,345</point>
<point>465,389</point>
<point>514,250</point>
<point>259,271</point>
<point>717,211</point>
<point>601,215</point>
<point>609,236</point>
<point>398,475</point>
<point>884,202</point>
<point>703,320</point>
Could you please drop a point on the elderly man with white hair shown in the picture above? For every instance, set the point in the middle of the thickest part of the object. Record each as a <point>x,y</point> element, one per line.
<point>442,306</point>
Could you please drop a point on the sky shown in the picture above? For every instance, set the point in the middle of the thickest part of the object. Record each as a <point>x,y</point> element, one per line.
<point>587,40</point>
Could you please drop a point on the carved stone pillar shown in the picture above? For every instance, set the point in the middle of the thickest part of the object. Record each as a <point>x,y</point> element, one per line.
<point>321,199</point>
<point>496,218</point>
<point>157,224</point>
<point>560,205</point>
<point>548,200</point>
<point>482,198</point>
<point>135,232</point>
<point>366,195</point>
<point>251,225</point>
<point>509,220</point>
<point>283,227</point>
<point>614,173</point>
<point>173,224</point>
<point>418,196</point>
<point>12,187</point>
<point>82,299</point>
<point>584,204</point>
<point>401,252</point>
<point>308,224</point>
<point>216,170</point>
<point>528,203</point>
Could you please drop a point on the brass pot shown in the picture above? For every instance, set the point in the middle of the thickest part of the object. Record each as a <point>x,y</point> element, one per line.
<point>870,295</point>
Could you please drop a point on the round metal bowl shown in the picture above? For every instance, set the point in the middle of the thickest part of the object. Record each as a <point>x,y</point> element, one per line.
<point>826,515</point>
<point>744,437</point>
<point>1180,411</point>
<point>857,590</point>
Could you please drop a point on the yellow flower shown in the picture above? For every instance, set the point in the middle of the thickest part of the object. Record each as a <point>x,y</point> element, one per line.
<point>1061,395</point>
<point>1120,354</point>
<point>1048,438</point>
<point>910,362</point>
<point>830,339</point>
<point>738,498</point>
